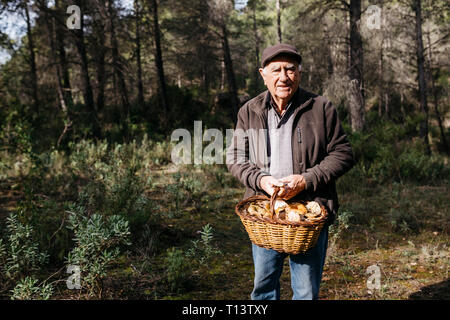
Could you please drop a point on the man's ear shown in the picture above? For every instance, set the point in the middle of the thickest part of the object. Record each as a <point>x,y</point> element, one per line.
<point>261,72</point>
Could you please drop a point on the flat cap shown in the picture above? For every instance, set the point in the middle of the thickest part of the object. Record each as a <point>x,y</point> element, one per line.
<point>282,48</point>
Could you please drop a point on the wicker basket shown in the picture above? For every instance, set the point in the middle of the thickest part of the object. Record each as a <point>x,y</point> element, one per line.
<point>280,235</point>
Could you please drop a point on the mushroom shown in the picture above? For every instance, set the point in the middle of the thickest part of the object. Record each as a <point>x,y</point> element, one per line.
<point>293,216</point>
<point>313,207</point>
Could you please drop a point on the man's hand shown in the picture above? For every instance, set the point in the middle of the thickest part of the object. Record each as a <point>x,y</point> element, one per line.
<point>294,184</point>
<point>268,183</point>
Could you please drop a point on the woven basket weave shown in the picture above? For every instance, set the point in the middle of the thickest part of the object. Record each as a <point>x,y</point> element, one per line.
<point>280,235</point>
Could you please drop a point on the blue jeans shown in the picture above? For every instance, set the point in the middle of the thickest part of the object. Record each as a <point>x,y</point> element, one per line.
<point>306,271</point>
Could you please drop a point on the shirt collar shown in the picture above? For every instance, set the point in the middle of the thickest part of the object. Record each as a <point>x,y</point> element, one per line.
<point>273,105</point>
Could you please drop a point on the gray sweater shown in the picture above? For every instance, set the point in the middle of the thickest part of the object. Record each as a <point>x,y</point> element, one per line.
<point>279,141</point>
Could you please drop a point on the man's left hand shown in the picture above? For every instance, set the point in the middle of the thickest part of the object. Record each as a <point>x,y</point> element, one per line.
<point>295,184</point>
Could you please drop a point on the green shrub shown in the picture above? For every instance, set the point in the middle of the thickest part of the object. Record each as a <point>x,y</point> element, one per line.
<point>178,269</point>
<point>29,289</point>
<point>342,223</point>
<point>187,188</point>
<point>181,264</point>
<point>20,254</point>
<point>389,152</point>
<point>97,246</point>
<point>402,221</point>
<point>202,250</point>
<point>408,162</point>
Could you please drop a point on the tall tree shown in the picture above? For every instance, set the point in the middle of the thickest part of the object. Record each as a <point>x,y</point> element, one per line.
<point>100,30</point>
<point>62,56</point>
<point>421,79</point>
<point>55,55</point>
<point>278,7</point>
<point>228,62</point>
<point>220,13</point>
<point>256,22</point>
<point>159,59</point>
<point>137,15</point>
<point>356,67</point>
<point>356,46</point>
<point>118,64</point>
<point>355,52</point>
<point>85,76</point>
<point>32,59</point>
<point>431,80</point>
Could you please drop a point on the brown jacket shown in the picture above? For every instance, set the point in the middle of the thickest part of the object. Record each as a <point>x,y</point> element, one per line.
<point>321,151</point>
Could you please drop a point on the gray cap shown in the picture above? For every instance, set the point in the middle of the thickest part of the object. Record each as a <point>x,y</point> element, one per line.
<point>282,48</point>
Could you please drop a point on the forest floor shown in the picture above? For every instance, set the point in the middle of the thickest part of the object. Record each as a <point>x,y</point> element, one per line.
<point>401,228</point>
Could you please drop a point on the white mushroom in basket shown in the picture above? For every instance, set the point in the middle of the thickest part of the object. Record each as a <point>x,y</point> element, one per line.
<point>253,210</point>
<point>259,210</point>
<point>279,205</point>
<point>280,209</point>
<point>293,215</point>
<point>314,210</point>
<point>313,207</point>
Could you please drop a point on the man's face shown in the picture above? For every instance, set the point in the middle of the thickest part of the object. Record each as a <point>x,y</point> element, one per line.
<point>282,77</point>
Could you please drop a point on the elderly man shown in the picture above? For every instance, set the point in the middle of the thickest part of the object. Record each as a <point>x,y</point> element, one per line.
<point>290,138</point>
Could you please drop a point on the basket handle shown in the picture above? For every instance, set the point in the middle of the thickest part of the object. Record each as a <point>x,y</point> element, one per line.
<point>273,198</point>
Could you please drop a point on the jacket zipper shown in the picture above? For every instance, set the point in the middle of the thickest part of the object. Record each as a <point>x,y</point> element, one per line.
<point>299,136</point>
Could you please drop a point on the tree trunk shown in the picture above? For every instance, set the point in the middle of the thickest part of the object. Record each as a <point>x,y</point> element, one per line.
<point>356,66</point>
<point>86,83</point>
<point>64,67</point>
<point>100,67</point>
<point>100,29</point>
<point>381,86</point>
<point>421,74</point>
<point>222,75</point>
<point>159,60</point>
<point>32,61</point>
<point>232,87</point>
<point>435,95</point>
<point>52,34</point>
<point>354,97</point>
<point>117,64</point>
<point>138,55</point>
<point>256,74</point>
<point>280,40</point>
<point>356,47</point>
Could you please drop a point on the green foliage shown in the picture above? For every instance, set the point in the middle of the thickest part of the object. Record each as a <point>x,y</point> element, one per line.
<point>97,246</point>
<point>389,152</point>
<point>16,143</point>
<point>20,254</point>
<point>220,177</point>
<point>29,289</point>
<point>118,178</point>
<point>202,250</point>
<point>402,221</point>
<point>178,269</point>
<point>181,264</point>
<point>46,217</point>
<point>342,223</point>
<point>187,188</point>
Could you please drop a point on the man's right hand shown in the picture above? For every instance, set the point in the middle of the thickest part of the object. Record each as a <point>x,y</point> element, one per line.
<point>268,183</point>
